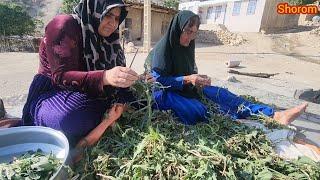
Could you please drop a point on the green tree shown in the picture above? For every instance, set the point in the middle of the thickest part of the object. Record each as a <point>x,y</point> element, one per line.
<point>300,2</point>
<point>15,20</point>
<point>171,4</point>
<point>68,5</point>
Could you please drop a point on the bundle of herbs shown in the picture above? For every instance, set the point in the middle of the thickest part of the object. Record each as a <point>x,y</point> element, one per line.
<point>149,144</point>
<point>31,165</point>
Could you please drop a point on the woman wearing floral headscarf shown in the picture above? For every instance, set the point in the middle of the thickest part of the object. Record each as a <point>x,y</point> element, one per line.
<point>82,73</point>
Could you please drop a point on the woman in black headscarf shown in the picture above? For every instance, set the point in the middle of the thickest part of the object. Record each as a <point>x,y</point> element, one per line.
<point>82,73</point>
<point>173,65</point>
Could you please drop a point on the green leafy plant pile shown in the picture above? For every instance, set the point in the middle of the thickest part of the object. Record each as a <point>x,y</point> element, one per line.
<point>147,144</point>
<point>32,165</point>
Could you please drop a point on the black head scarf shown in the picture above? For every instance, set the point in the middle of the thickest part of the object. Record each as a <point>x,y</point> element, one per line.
<point>169,58</point>
<point>100,53</point>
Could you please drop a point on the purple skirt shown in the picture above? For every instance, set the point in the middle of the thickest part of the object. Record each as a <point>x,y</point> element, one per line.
<point>73,113</point>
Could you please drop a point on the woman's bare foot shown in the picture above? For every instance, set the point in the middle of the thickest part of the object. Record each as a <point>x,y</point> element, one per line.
<point>289,115</point>
<point>313,147</point>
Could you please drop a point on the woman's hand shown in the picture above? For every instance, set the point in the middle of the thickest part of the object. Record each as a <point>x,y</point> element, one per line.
<point>197,80</point>
<point>120,77</point>
<point>147,77</point>
<point>94,136</point>
<point>115,112</point>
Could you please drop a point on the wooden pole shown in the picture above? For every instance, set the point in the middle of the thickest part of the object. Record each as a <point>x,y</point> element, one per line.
<point>147,26</point>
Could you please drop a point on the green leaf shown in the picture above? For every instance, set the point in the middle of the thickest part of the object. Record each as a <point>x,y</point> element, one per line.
<point>265,174</point>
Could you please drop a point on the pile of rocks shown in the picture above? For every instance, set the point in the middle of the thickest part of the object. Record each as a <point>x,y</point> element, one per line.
<point>130,47</point>
<point>311,23</point>
<point>218,34</point>
<point>316,31</point>
<point>219,37</point>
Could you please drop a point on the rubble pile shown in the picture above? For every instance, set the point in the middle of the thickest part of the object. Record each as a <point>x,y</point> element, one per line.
<point>311,23</point>
<point>220,37</point>
<point>316,31</point>
<point>130,47</point>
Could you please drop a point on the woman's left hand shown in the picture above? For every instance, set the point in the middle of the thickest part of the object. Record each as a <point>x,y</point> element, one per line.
<point>94,136</point>
<point>115,112</point>
<point>207,80</point>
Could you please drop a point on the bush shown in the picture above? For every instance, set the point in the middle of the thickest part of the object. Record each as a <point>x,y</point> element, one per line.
<point>171,4</point>
<point>301,2</point>
<point>15,20</point>
<point>68,5</point>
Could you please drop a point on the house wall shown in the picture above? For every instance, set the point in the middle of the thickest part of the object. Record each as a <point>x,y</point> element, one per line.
<point>159,25</point>
<point>136,17</point>
<point>244,22</point>
<point>160,22</point>
<point>205,19</point>
<point>192,6</point>
<point>273,21</point>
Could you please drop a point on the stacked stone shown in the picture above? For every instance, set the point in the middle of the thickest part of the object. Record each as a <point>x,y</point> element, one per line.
<point>316,31</point>
<point>19,44</point>
<point>220,37</point>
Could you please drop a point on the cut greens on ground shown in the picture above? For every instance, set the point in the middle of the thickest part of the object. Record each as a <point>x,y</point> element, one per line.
<point>153,145</point>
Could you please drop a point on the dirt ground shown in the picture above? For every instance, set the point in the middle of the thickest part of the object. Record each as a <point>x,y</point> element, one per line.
<point>294,55</point>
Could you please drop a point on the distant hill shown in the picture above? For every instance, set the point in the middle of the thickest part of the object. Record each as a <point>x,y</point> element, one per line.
<point>43,10</point>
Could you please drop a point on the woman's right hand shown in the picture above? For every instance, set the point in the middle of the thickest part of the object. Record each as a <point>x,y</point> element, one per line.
<point>120,77</point>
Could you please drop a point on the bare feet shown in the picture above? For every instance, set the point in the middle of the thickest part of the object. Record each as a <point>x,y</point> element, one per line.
<point>289,115</point>
<point>313,147</point>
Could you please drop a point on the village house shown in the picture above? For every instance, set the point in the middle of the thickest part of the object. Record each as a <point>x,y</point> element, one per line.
<point>133,24</point>
<point>242,15</point>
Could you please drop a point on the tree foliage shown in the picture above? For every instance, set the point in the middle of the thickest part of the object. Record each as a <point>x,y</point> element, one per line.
<point>300,2</point>
<point>15,20</point>
<point>171,4</point>
<point>68,5</point>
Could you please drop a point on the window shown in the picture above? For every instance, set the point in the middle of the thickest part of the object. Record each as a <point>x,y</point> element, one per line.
<point>128,23</point>
<point>218,12</point>
<point>210,13</point>
<point>236,8</point>
<point>251,7</point>
<point>190,8</point>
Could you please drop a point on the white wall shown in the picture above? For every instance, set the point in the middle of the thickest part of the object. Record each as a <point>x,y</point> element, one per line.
<point>239,23</point>
<point>212,20</point>
<point>192,6</point>
<point>244,22</point>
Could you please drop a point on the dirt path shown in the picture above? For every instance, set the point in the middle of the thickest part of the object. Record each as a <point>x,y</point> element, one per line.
<point>293,43</point>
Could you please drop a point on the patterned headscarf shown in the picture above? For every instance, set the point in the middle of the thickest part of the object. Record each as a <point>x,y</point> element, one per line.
<point>100,53</point>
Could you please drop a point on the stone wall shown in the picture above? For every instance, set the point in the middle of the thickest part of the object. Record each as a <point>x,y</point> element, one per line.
<point>19,44</point>
<point>218,35</point>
